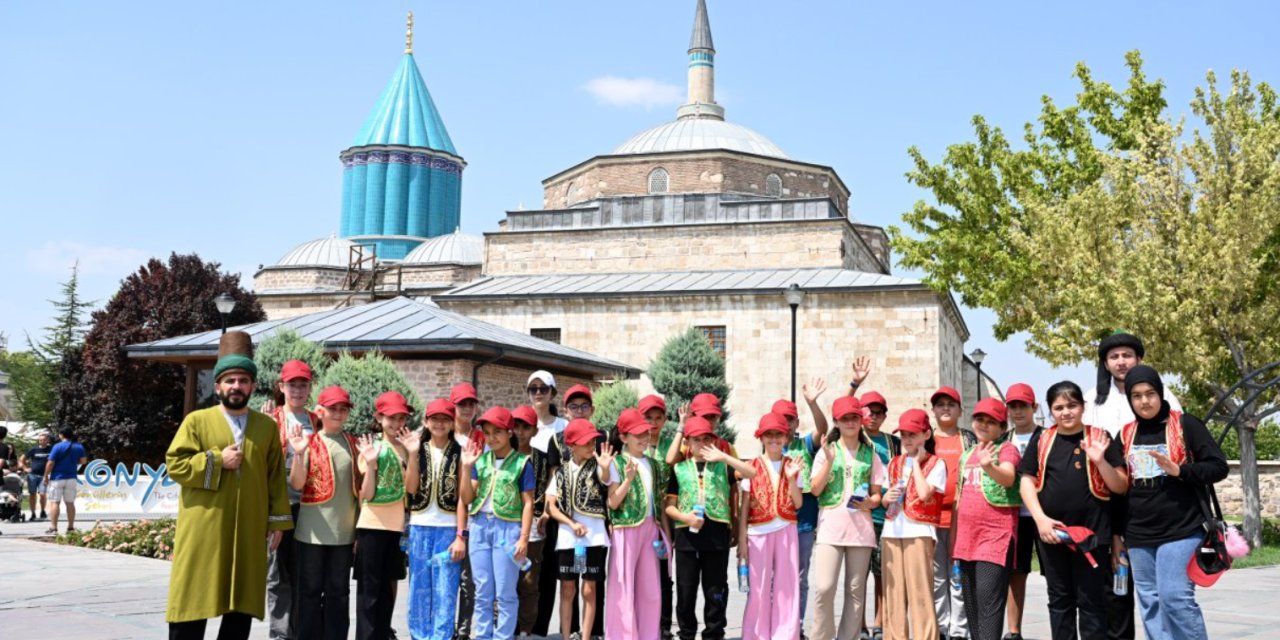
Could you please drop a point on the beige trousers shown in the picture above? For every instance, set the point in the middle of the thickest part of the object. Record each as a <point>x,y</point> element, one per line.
<point>824,570</point>
<point>907,571</point>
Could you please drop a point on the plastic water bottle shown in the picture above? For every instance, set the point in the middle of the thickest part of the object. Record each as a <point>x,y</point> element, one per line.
<point>895,507</point>
<point>744,576</point>
<point>955,577</point>
<point>580,556</point>
<point>1063,535</point>
<point>441,559</point>
<point>522,564</point>
<point>404,543</point>
<point>699,511</point>
<point>858,496</point>
<point>660,549</point>
<point>1120,581</point>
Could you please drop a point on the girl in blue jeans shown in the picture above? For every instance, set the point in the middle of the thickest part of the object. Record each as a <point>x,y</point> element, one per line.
<point>1171,458</point>
<point>501,497</point>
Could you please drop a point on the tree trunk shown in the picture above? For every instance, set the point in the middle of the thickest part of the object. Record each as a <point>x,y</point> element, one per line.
<point>1249,484</point>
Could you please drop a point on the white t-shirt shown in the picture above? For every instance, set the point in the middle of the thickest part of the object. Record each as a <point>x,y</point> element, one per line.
<point>903,527</point>
<point>644,472</point>
<point>433,516</point>
<point>546,432</point>
<point>776,524</point>
<point>597,534</point>
<point>1115,413</point>
<point>1021,440</point>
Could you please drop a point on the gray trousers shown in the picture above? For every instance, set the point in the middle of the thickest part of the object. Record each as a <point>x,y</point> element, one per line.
<point>948,604</point>
<point>806,539</point>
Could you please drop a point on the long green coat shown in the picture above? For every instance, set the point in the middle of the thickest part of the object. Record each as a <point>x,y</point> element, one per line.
<point>220,550</point>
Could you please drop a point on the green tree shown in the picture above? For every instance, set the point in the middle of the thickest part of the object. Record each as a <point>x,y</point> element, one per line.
<point>609,401</point>
<point>686,366</point>
<point>68,327</point>
<point>31,385</point>
<point>365,377</point>
<point>1112,217</point>
<point>271,354</point>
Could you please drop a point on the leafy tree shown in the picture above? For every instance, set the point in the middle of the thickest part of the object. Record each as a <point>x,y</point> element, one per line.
<point>271,354</point>
<point>365,378</point>
<point>686,366</point>
<point>1112,217</point>
<point>126,408</point>
<point>609,401</point>
<point>30,383</point>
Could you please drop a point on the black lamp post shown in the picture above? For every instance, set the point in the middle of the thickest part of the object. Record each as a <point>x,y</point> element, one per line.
<point>978,355</point>
<point>794,295</point>
<point>225,305</point>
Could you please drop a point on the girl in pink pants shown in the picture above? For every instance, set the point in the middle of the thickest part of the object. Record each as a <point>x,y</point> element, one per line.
<point>635,594</point>
<point>768,538</point>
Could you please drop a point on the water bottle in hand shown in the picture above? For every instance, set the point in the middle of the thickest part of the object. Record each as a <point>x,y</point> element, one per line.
<point>580,556</point>
<point>660,549</point>
<point>699,511</point>
<point>1120,580</point>
<point>955,577</point>
<point>441,559</point>
<point>522,564</point>
<point>744,576</point>
<point>404,543</point>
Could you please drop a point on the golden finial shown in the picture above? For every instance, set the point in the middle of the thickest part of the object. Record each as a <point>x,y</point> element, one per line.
<point>408,36</point>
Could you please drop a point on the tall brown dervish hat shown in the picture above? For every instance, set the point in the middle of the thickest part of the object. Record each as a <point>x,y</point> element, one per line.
<point>235,353</point>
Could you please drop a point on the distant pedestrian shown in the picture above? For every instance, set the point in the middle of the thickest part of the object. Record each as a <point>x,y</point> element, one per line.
<point>60,476</point>
<point>8,455</point>
<point>34,462</point>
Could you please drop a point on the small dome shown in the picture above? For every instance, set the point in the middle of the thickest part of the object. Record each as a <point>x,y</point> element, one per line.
<point>455,248</point>
<point>695,134</point>
<point>325,252</point>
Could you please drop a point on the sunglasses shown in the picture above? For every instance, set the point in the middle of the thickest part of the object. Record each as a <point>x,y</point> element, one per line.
<point>537,391</point>
<point>578,406</point>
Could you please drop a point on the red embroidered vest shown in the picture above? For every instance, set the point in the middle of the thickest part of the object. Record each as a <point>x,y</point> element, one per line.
<point>925,512</point>
<point>319,488</point>
<point>767,502</point>
<point>1097,486</point>
<point>282,425</point>
<point>1172,438</point>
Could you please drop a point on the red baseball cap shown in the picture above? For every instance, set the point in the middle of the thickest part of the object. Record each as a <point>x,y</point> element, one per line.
<point>525,413</point>
<point>392,403</point>
<point>914,421</point>
<point>948,392</point>
<point>462,392</point>
<point>706,398</point>
<point>441,407</point>
<point>499,417</point>
<point>580,432</point>
<point>705,408</point>
<point>577,390</point>
<point>772,422</point>
<point>873,397</point>
<point>294,369</point>
<point>1020,392</point>
<point>785,408</point>
<point>334,395</point>
<point>845,405</point>
<point>992,408</point>
<point>652,402</point>
<point>632,421</point>
<point>695,426</point>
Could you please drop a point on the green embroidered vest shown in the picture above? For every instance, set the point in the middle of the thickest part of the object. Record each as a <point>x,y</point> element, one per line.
<point>503,483</point>
<point>658,456</point>
<point>635,508</point>
<point>996,495</point>
<point>390,487</point>
<point>836,491</point>
<point>715,489</point>
<point>796,450</point>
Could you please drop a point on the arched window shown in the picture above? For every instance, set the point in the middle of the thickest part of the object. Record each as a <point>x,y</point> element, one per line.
<point>773,185</point>
<point>571,194</point>
<point>658,180</point>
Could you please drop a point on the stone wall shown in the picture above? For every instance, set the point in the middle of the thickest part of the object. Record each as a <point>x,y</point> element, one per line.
<point>1231,496</point>
<point>298,278</point>
<point>696,172</point>
<point>762,245</point>
<point>438,276</point>
<point>900,330</point>
<point>498,384</point>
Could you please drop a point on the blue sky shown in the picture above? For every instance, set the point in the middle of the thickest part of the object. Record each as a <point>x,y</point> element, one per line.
<point>134,129</point>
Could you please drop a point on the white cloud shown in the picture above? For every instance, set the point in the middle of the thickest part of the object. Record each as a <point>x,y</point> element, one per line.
<point>58,256</point>
<point>633,92</point>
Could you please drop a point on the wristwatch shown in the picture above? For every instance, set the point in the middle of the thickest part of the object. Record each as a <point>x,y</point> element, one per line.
<point>464,534</point>
<point>853,384</point>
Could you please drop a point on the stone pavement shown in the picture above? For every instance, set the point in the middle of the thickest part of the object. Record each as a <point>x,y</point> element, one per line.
<point>58,593</point>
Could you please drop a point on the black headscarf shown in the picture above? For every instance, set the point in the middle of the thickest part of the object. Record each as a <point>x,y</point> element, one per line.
<point>1117,339</point>
<point>1138,375</point>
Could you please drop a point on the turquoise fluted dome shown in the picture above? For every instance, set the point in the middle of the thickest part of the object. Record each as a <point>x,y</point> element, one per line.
<point>405,115</point>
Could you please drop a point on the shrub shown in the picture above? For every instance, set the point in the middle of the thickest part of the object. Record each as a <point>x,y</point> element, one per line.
<point>1267,439</point>
<point>365,377</point>
<point>147,538</point>
<point>609,401</point>
<point>687,366</point>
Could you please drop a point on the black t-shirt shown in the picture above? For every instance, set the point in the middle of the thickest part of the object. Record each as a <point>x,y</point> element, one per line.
<point>38,457</point>
<point>713,535</point>
<point>1065,495</point>
<point>1164,509</point>
<point>7,458</point>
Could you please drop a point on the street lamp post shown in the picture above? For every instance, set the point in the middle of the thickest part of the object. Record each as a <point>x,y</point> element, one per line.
<point>978,355</point>
<point>794,296</point>
<point>225,305</point>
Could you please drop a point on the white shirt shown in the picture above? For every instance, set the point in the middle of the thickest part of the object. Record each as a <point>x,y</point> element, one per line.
<point>1021,440</point>
<point>237,424</point>
<point>433,516</point>
<point>597,535</point>
<point>776,524</point>
<point>903,527</point>
<point>546,432</point>
<point>1115,413</point>
<point>645,474</point>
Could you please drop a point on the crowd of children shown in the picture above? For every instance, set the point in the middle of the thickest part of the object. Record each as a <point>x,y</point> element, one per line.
<point>491,506</point>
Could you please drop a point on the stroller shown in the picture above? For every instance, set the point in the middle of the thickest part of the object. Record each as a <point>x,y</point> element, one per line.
<point>11,499</point>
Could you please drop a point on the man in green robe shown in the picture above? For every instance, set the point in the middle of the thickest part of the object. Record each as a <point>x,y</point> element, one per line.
<point>234,504</point>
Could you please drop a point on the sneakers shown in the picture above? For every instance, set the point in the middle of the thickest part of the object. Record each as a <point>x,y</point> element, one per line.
<point>575,636</point>
<point>1013,636</point>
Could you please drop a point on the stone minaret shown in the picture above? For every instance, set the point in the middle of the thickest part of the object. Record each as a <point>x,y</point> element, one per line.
<point>702,71</point>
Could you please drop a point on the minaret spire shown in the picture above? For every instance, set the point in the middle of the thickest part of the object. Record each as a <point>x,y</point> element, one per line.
<point>408,36</point>
<point>702,78</point>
